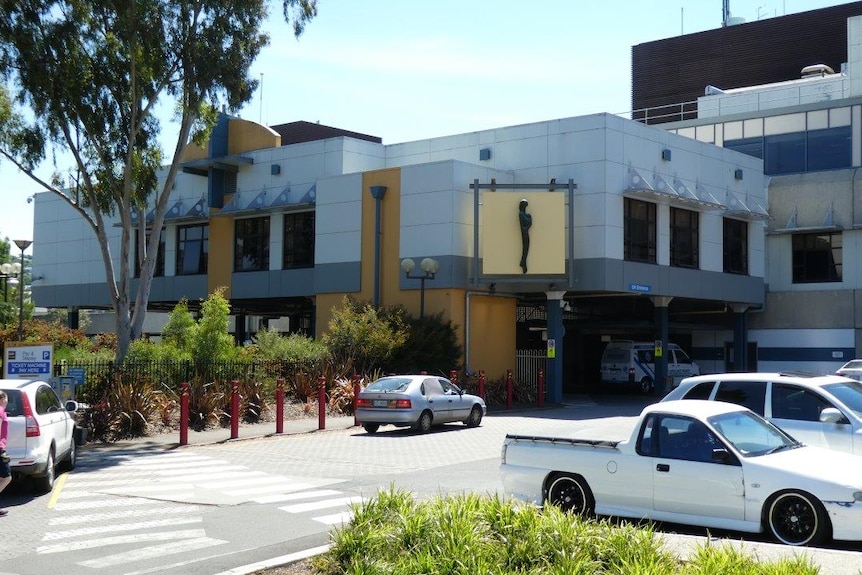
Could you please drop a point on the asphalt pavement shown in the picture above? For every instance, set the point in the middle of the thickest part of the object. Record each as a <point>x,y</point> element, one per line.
<point>830,561</point>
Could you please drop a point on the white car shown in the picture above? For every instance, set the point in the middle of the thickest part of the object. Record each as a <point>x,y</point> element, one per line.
<point>851,369</point>
<point>819,410</point>
<point>705,463</point>
<point>41,431</point>
<point>632,363</point>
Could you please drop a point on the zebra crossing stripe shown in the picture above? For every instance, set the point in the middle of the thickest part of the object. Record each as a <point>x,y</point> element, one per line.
<point>79,505</point>
<point>133,513</point>
<point>251,478</point>
<point>281,489</point>
<point>294,496</point>
<point>336,519</point>
<point>122,539</point>
<point>117,528</point>
<point>152,552</point>
<point>229,471</point>
<point>313,506</point>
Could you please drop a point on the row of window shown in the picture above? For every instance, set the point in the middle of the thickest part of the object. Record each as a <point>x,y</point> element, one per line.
<point>251,245</point>
<point>817,257</point>
<point>797,152</point>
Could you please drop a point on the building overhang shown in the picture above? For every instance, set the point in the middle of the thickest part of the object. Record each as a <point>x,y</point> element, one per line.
<point>225,163</point>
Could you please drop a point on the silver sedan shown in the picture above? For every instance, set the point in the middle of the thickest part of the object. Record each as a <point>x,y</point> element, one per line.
<point>417,401</point>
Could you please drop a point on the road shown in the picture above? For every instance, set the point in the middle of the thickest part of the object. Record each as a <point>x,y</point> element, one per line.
<point>137,508</point>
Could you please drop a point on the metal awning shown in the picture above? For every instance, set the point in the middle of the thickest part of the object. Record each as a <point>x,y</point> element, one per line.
<point>751,209</point>
<point>235,206</point>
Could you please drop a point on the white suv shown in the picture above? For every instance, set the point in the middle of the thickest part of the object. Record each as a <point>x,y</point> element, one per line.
<point>819,410</point>
<point>41,431</point>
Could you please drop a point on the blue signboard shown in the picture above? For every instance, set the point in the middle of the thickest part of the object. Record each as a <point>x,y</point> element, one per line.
<point>640,288</point>
<point>79,373</point>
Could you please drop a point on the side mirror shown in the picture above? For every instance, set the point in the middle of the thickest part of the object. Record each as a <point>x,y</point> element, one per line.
<point>832,415</point>
<point>720,455</point>
<point>72,406</point>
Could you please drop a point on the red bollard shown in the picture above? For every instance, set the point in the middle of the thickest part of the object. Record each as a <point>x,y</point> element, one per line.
<point>453,376</point>
<point>540,388</point>
<point>510,389</point>
<point>184,413</point>
<point>234,409</point>
<point>321,402</point>
<point>356,389</point>
<point>482,383</point>
<point>279,405</point>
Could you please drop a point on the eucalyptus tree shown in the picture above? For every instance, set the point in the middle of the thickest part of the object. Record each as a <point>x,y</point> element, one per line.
<point>85,80</point>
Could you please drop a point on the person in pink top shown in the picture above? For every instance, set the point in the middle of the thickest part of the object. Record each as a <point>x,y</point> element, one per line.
<point>5,472</point>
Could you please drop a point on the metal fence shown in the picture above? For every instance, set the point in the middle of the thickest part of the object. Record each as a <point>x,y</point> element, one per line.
<point>528,362</point>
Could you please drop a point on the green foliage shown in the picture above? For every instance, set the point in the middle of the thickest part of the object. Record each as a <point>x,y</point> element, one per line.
<point>431,345</point>
<point>41,331</point>
<point>468,534</point>
<point>180,329</point>
<point>360,335</point>
<point>212,341</point>
<point>295,348</point>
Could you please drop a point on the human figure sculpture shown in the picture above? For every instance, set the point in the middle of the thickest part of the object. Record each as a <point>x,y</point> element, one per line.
<point>526,220</point>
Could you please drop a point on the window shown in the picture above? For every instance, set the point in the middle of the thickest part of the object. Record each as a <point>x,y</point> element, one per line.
<point>829,149</point>
<point>640,231</point>
<point>681,357</point>
<point>750,146</point>
<point>192,249</point>
<point>160,256</point>
<point>735,246</point>
<point>791,402</point>
<point>251,245</point>
<point>683,438</point>
<point>46,401</point>
<point>684,238</point>
<point>700,391</point>
<point>785,153</point>
<point>817,257</point>
<point>298,240</point>
<point>750,394</point>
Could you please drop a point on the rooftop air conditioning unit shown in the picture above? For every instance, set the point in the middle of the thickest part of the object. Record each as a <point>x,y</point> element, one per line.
<point>815,70</point>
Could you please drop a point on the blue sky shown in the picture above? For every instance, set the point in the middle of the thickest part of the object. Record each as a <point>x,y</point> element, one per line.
<point>410,70</point>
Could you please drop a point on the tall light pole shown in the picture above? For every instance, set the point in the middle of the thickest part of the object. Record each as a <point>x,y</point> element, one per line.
<point>430,267</point>
<point>22,245</point>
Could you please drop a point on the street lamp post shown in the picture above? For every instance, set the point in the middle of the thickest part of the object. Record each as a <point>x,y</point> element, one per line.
<point>22,245</point>
<point>9,274</point>
<point>430,267</point>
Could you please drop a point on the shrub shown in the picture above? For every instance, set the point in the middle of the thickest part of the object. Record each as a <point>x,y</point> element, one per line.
<point>359,335</point>
<point>431,345</point>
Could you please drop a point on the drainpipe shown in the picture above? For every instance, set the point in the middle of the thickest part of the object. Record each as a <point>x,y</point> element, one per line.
<point>377,192</point>
<point>470,294</point>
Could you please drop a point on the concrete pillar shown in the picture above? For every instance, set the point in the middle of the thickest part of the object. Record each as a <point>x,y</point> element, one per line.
<point>740,337</point>
<point>556,332</point>
<point>661,304</point>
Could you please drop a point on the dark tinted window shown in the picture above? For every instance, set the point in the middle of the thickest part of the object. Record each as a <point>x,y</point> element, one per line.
<point>14,407</point>
<point>750,146</point>
<point>639,231</point>
<point>829,149</point>
<point>785,153</point>
<point>791,402</point>
<point>817,257</point>
<point>735,246</point>
<point>298,240</point>
<point>700,391</point>
<point>684,242</point>
<point>251,245</point>
<point>750,394</point>
<point>192,249</point>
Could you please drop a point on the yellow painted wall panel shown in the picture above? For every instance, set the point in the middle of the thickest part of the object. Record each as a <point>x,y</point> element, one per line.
<point>501,233</point>
<point>492,335</point>
<point>324,304</point>
<point>246,136</point>
<point>193,152</point>
<point>220,267</point>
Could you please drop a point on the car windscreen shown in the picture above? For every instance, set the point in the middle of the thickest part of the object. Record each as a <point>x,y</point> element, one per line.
<point>855,364</point>
<point>750,434</point>
<point>14,408</point>
<point>849,393</point>
<point>389,384</point>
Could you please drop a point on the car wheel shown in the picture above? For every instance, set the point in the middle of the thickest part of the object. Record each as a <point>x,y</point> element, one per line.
<point>371,427</point>
<point>423,425</point>
<point>645,385</point>
<point>46,483</point>
<point>571,494</point>
<point>797,518</point>
<point>72,458</point>
<point>475,417</point>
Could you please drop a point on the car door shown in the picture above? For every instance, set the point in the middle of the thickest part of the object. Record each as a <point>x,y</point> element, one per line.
<point>459,408</point>
<point>54,421</point>
<point>796,410</point>
<point>16,440</point>
<point>686,480</point>
<point>438,401</point>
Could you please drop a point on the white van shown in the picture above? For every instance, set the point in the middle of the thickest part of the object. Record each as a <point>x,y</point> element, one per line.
<point>629,362</point>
